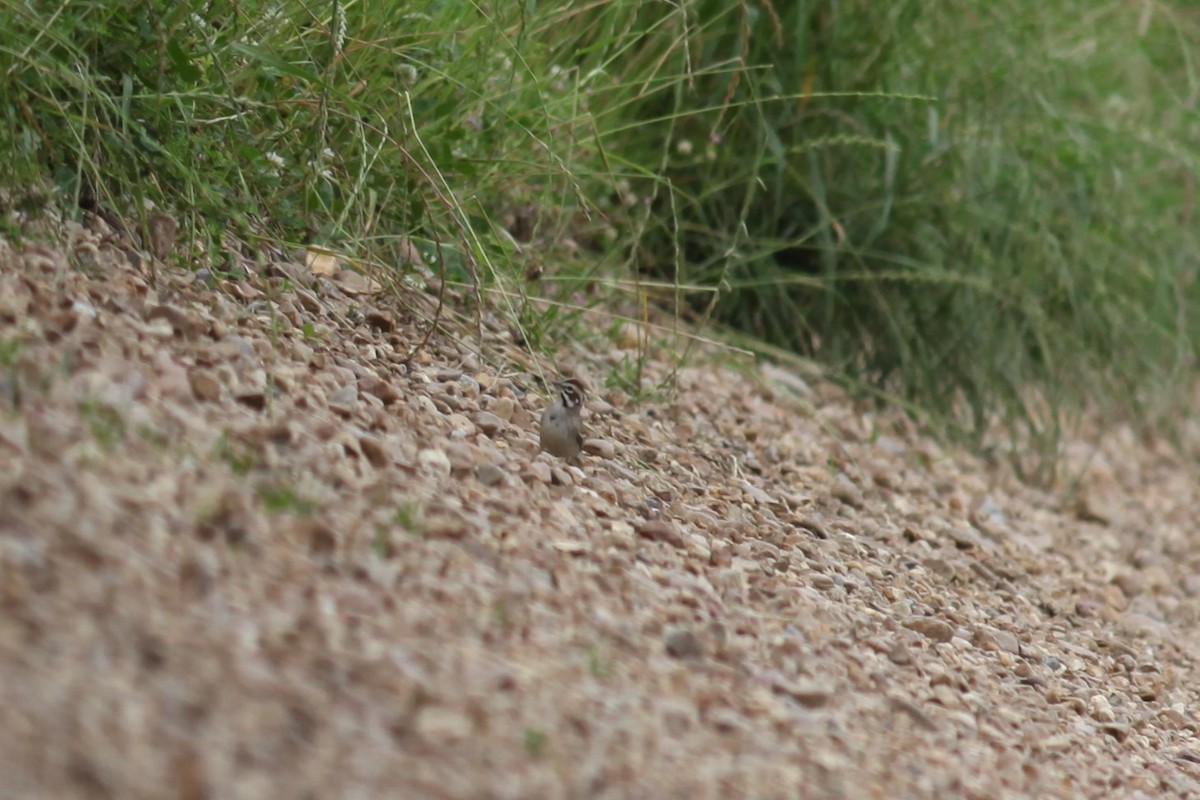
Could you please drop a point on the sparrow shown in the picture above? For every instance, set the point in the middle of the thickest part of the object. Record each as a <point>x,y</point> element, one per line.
<point>561,432</point>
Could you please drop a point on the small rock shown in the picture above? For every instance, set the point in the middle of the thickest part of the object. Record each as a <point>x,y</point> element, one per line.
<point>345,396</point>
<point>1116,730</point>
<point>163,229</point>
<point>913,711</point>
<point>599,447</point>
<point>997,640</point>
<point>1131,583</point>
<point>682,642</point>
<point>1140,625</point>
<point>807,694</point>
<point>1096,504</point>
<point>179,322</point>
<point>539,471</point>
<point>900,654</point>
<point>964,538</point>
<point>435,462</point>
<point>321,539</point>
<point>441,727</point>
<point>504,408</point>
<point>489,474</point>
<point>932,628</point>
<point>251,398</point>
<point>380,321</point>
<point>373,450</point>
<point>205,386</point>
<point>1187,754</point>
<point>1100,709</point>
<point>463,457</point>
<point>1008,642</point>
<point>659,530</point>
<point>822,581</point>
<point>488,423</point>
<point>382,389</point>
<point>847,491</point>
<point>445,526</point>
<point>461,427</point>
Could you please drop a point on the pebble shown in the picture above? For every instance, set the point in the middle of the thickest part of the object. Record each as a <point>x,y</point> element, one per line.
<point>205,385</point>
<point>932,628</point>
<point>504,408</point>
<point>682,642</point>
<point>846,491</point>
<point>435,462</point>
<point>599,447</point>
<point>1100,709</point>
<point>539,471</point>
<point>806,693</point>
<point>489,424</point>
<point>659,530</point>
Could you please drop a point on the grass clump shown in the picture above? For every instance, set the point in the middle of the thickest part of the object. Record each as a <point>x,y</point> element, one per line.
<point>984,212</point>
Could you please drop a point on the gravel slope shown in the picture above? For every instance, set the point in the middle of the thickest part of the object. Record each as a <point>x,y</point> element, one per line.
<point>249,548</point>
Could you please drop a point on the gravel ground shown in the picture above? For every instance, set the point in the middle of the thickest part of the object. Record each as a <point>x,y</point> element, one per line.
<point>266,540</point>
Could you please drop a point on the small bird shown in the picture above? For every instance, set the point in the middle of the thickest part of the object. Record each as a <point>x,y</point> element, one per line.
<point>562,427</point>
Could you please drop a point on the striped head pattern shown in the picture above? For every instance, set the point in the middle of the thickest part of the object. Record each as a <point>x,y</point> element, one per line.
<point>571,392</point>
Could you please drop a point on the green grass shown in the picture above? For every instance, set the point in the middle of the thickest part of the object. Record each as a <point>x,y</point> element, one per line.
<point>981,212</point>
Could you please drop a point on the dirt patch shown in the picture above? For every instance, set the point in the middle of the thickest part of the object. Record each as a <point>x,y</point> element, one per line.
<point>249,548</point>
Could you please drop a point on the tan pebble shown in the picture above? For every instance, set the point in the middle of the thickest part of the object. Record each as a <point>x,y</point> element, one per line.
<point>504,408</point>
<point>345,396</point>
<point>560,477</point>
<point>205,386</point>
<point>627,336</point>
<point>659,530</point>
<point>441,727</point>
<point>1131,583</point>
<point>380,320</point>
<point>434,461</point>
<point>1008,642</point>
<point>372,449</point>
<point>806,693</point>
<point>1100,709</point>
<point>445,526</point>
<point>697,546</point>
<point>599,447</point>
<point>489,474</point>
<point>176,319</point>
<point>463,456</point>
<point>461,426</point>
<point>1120,733</point>
<point>822,581</point>
<point>622,535</point>
<point>600,407</point>
<point>932,628</point>
<point>172,378</point>
<point>900,654</point>
<point>914,711</point>
<point>302,352</point>
<point>489,424</point>
<point>847,491</point>
<point>539,471</point>
<point>722,553</point>
<point>682,642</point>
<point>383,389</point>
